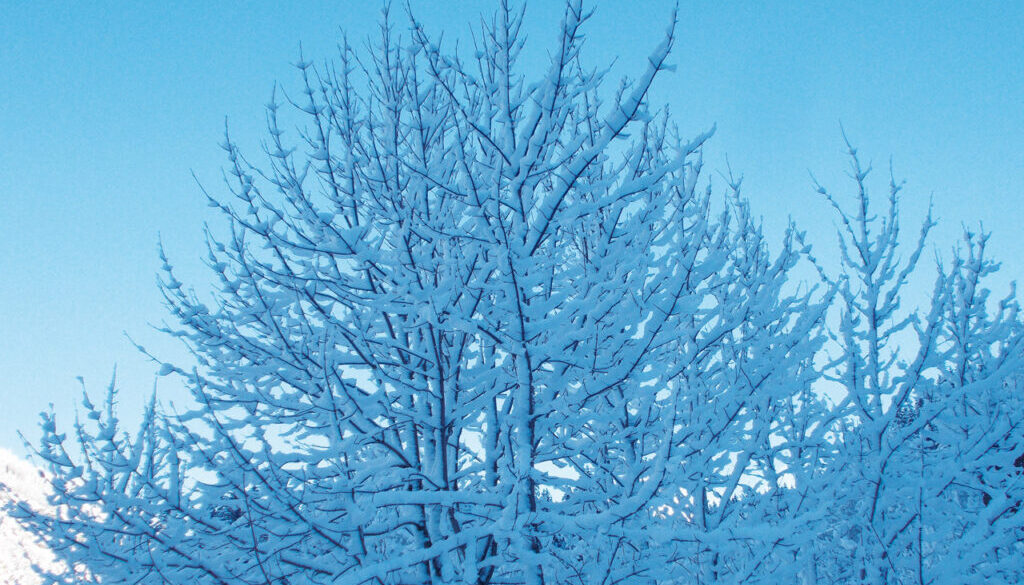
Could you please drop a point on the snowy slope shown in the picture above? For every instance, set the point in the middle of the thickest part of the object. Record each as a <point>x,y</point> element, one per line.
<point>18,550</point>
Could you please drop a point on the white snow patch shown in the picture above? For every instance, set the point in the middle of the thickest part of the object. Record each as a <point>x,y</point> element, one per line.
<point>19,550</point>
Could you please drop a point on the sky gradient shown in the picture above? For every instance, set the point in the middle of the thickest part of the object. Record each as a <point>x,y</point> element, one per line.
<point>107,108</point>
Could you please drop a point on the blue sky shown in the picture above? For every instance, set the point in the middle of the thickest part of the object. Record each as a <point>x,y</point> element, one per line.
<point>107,108</point>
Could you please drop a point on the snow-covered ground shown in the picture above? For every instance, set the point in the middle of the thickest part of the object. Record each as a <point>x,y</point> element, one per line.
<point>18,550</point>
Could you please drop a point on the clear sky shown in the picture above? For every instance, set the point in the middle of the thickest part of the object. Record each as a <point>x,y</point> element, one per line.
<point>106,108</point>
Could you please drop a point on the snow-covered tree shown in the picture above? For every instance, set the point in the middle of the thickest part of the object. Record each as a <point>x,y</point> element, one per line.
<point>928,401</point>
<point>475,324</point>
